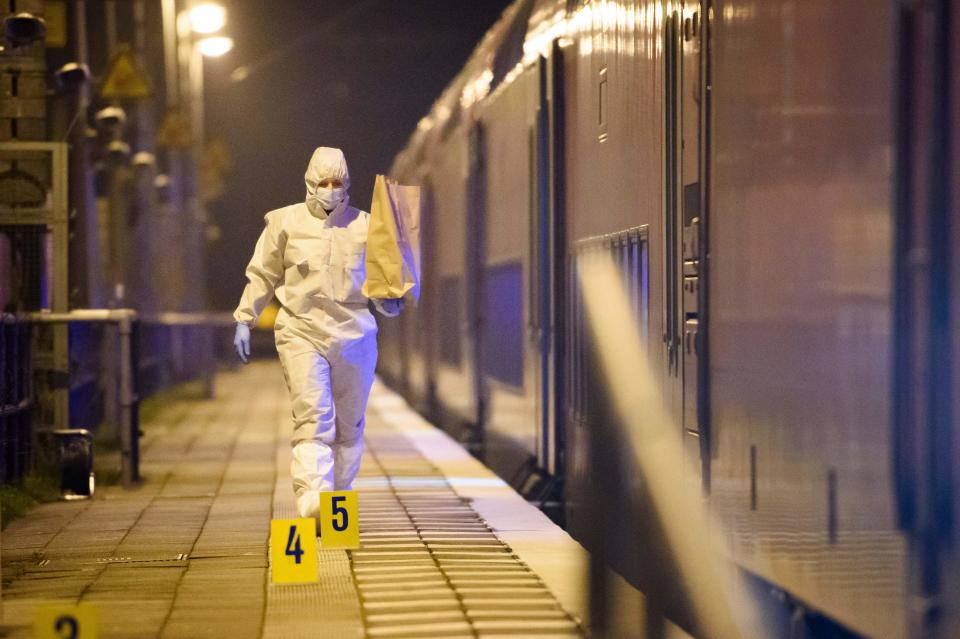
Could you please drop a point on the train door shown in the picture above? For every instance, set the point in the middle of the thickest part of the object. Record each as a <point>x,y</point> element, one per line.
<point>925,322</point>
<point>472,328</point>
<point>546,244</point>
<point>422,373</point>
<point>429,295</point>
<point>686,93</point>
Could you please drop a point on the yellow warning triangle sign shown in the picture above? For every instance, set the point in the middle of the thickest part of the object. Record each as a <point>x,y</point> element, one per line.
<point>125,78</point>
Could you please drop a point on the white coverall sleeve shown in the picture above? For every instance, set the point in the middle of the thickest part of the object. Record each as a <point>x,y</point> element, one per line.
<point>264,272</point>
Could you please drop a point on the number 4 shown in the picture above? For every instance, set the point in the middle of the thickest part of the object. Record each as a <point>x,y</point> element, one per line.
<point>339,524</point>
<point>293,545</point>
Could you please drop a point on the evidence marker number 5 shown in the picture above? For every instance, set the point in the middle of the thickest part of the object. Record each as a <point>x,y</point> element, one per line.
<point>339,519</point>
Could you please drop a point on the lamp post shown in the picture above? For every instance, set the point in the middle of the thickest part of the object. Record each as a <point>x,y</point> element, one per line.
<point>198,36</point>
<point>191,32</point>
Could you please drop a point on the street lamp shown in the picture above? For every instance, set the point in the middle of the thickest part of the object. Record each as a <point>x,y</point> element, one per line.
<point>207,18</point>
<point>215,46</point>
<point>190,35</point>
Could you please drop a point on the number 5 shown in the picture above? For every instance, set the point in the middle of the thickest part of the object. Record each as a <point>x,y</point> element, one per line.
<point>338,510</point>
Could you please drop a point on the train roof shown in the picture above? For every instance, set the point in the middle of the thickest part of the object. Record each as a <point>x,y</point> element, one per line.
<point>524,30</point>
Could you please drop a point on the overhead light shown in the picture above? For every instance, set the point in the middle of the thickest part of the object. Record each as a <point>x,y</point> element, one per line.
<point>111,117</point>
<point>24,28</point>
<point>144,159</point>
<point>207,18</point>
<point>240,74</point>
<point>215,46</point>
<point>72,75</point>
<point>118,151</point>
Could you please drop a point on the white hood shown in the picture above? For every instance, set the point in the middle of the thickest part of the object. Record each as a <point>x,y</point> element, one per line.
<point>326,162</point>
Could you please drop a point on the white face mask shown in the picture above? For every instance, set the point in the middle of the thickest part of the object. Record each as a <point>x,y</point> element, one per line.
<point>329,198</point>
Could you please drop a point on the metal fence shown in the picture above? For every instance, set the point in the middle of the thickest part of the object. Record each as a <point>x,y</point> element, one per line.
<point>118,358</point>
<point>16,399</point>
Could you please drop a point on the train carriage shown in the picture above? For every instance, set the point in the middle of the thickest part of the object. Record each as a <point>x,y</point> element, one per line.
<point>773,180</point>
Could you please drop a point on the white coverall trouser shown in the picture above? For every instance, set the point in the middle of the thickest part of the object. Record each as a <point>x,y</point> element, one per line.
<point>329,398</point>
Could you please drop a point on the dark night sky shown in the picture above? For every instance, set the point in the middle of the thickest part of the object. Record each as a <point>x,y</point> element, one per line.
<point>355,74</point>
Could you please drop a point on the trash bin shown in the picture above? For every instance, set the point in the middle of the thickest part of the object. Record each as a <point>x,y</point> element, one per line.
<point>75,446</point>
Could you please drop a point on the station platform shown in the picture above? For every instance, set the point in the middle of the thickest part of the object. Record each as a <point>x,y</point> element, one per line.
<point>447,548</point>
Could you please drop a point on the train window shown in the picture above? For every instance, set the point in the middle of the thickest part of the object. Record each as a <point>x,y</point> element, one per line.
<point>629,252</point>
<point>451,301</point>
<point>510,52</point>
<point>503,323</point>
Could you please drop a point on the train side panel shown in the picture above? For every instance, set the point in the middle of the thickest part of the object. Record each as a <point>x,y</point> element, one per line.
<point>455,381</point>
<point>952,586</point>
<point>801,246</point>
<point>614,174</point>
<point>613,165</point>
<point>509,350</point>
<point>418,322</point>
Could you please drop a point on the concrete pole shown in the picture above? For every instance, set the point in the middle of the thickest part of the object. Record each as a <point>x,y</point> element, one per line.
<point>171,216</point>
<point>83,194</point>
<point>204,334</point>
<point>198,211</point>
<point>116,204</point>
<point>150,250</point>
<point>129,427</point>
<point>110,17</point>
<point>169,15</point>
<point>116,179</point>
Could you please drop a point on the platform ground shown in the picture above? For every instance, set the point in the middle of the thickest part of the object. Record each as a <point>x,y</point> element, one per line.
<point>448,549</point>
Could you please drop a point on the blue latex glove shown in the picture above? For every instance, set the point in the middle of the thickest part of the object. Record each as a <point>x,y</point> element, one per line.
<point>388,307</point>
<point>241,342</point>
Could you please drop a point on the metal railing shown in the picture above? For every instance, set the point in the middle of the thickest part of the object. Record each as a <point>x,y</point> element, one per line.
<point>129,426</point>
<point>181,346</point>
<point>188,347</point>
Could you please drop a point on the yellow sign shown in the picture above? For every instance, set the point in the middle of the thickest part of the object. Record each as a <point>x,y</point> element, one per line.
<point>55,16</point>
<point>125,78</point>
<point>63,621</point>
<point>175,132</point>
<point>214,163</point>
<point>339,520</point>
<point>293,551</point>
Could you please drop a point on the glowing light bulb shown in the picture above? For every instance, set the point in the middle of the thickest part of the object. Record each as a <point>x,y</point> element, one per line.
<point>207,18</point>
<point>215,46</point>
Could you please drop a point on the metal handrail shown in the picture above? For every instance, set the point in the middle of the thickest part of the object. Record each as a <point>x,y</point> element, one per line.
<point>124,318</point>
<point>207,320</point>
<point>189,319</point>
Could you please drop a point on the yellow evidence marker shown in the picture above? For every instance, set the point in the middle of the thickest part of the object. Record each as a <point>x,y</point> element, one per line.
<point>293,550</point>
<point>64,621</point>
<point>339,519</point>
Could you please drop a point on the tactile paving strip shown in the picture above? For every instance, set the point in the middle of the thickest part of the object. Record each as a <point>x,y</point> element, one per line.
<point>429,566</point>
<point>329,608</point>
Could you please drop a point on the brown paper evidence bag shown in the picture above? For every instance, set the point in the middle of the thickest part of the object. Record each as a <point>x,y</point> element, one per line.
<point>393,241</point>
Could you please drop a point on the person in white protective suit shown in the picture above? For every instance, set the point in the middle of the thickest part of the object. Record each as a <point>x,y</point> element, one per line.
<point>311,256</point>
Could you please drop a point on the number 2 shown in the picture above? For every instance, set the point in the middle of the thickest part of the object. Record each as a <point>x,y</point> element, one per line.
<point>293,545</point>
<point>67,624</point>
<point>337,510</point>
